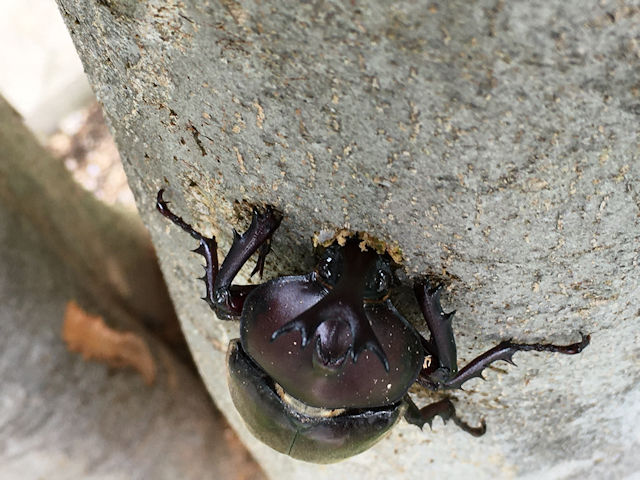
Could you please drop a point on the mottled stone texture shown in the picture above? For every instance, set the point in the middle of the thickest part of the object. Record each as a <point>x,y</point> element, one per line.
<point>63,417</point>
<point>496,142</point>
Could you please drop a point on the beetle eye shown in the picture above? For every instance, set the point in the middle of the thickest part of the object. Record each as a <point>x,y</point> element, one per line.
<point>379,279</point>
<point>329,267</point>
<point>381,282</point>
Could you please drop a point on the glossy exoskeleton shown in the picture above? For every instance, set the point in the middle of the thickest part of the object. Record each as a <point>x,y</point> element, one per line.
<point>324,361</point>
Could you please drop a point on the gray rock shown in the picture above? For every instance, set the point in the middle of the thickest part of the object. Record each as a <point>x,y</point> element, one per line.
<point>495,142</point>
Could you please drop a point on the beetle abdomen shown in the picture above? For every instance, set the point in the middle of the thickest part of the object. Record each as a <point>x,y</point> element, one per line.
<point>312,439</point>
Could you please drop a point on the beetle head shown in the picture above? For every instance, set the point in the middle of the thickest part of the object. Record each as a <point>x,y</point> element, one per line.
<point>374,273</point>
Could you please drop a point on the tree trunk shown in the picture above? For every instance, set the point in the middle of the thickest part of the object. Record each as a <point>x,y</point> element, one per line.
<point>495,143</point>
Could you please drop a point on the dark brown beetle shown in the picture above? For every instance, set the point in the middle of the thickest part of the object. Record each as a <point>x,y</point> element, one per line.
<point>324,361</point>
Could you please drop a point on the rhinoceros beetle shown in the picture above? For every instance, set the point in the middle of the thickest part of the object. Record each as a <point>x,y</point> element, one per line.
<point>324,361</point>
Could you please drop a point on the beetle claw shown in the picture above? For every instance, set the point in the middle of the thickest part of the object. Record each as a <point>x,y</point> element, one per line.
<point>444,409</point>
<point>265,248</point>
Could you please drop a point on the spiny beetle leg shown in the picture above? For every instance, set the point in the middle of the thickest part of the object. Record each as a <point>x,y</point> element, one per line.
<point>224,298</point>
<point>445,410</point>
<point>439,324</point>
<point>503,351</point>
<point>163,208</point>
<point>258,235</point>
<point>207,248</point>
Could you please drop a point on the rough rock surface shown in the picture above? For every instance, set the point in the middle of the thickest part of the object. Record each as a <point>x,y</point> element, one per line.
<point>495,142</point>
<point>63,417</point>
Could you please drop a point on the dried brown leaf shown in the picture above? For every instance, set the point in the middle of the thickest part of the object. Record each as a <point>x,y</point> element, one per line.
<point>94,340</point>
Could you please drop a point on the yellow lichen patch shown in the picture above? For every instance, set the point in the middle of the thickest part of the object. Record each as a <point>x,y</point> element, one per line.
<point>342,236</point>
<point>367,241</point>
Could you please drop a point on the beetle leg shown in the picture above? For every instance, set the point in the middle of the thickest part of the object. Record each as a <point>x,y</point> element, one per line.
<point>444,374</point>
<point>442,344</point>
<point>257,237</point>
<point>445,410</point>
<point>223,297</point>
<point>505,351</point>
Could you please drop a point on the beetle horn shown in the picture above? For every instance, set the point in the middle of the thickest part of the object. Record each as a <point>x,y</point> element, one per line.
<point>335,307</point>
